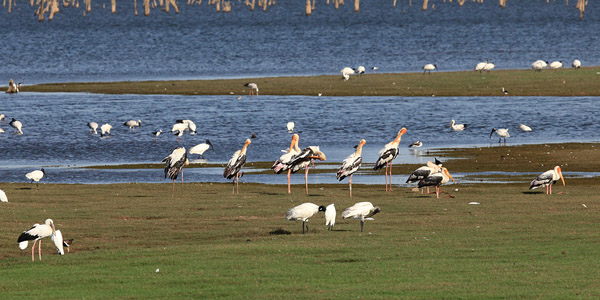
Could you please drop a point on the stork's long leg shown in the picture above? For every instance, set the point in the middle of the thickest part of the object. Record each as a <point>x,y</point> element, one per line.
<point>350,184</point>
<point>302,227</point>
<point>40,249</point>
<point>306,179</point>
<point>362,225</point>
<point>237,182</point>
<point>386,181</point>
<point>437,191</point>
<point>32,251</point>
<point>391,176</point>
<point>289,188</point>
<point>550,188</point>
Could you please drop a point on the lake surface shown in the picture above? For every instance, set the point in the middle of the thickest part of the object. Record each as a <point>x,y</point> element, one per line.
<point>57,137</point>
<point>200,43</point>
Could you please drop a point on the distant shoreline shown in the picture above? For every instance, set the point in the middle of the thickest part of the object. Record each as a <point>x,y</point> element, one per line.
<point>524,82</point>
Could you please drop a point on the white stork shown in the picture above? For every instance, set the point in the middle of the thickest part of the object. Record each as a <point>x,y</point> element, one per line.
<point>93,127</point>
<point>386,157</point>
<point>576,64</point>
<point>35,233</point>
<point>174,164</point>
<point>556,64</point>
<point>303,212</point>
<point>283,163</point>
<point>424,171</point>
<point>3,197</point>
<point>547,179</point>
<point>416,144</point>
<point>36,176</point>
<point>501,133</point>
<point>351,164</point>
<point>191,126</point>
<point>457,127</point>
<point>132,124</point>
<point>330,214</point>
<point>253,87</point>
<point>303,160</point>
<point>361,211</point>
<point>235,164</point>
<point>525,127</point>
<point>17,125</point>
<point>201,148</point>
<point>290,126</point>
<point>105,129</point>
<point>436,179</point>
<point>429,68</point>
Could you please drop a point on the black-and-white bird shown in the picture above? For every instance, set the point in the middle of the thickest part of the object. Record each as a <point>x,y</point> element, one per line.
<point>174,164</point>
<point>505,92</point>
<point>93,127</point>
<point>360,70</point>
<point>17,125</point>
<point>304,159</point>
<point>35,233</point>
<point>283,163</point>
<point>547,179</point>
<point>429,68</point>
<point>361,211</point>
<point>105,129</point>
<point>538,65</point>
<point>253,88</point>
<point>436,179</point>
<point>457,127</point>
<point>156,134</point>
<point>424,171</point>
<point>3,197</point>
<point>303,212</point>
<point>576,64</point>
<point>191,126</point>
<point>351,164</point>
<point>556,64</point>
<point>201,148</point>
<point>67,244</point>
<point>416,144</point>
<point>36,176</point>
<point>235,164</point>
<point>179,129</point>
<point>330,214</point>
<point>346,72</point>
<point>501,133</point>
<point>374,69</point>
<point>132,124</point>
<point>386,157</point>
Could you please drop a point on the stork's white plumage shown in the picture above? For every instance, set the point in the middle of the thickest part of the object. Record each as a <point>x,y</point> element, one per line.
<point>303,212</point>
<point>105,129</point>
<point>132,124</point>
<point>191,126</point>
<point>424,171</point>
<point>525,127</point>
<point>290,126</point>
<point>303,161</point>
<point>501,133</point>
<point>538,65</point>
<point>547,179</point>
<point>556,64</point>
<point>386,157</point>
<point>235,164</point>
<point>457,127</point>
<point>436,179</point>
<point>330,214</point>
<point>174,164</point>
<point>283,163</point>
<point>35,233</point>
<point>36,176</point>
<point>361,211</point>
<point>93,127</point>
<point>576,64</point>
<point>3,197</point>
<point>253,88</point>
<point>17,125</point>
<point>201,148</point>
<point>351,164</point>
<point>429,68</point>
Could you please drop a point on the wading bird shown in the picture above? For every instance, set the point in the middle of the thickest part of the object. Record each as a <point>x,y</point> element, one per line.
<point>36,176</point>
<point>360,70</point>
<point>416,144</point>
<point>547,179</point>
<point>576,64</point>
<point>374,69</point>
<point>303,160</point>
<point>35,233</point>
<point>174,164</point>
<point>538,65</point>
<point>201,148</point>
<point>505,92</point>
<point>436,179</point>
<point>3,118</point>
<point>3,197</point>
<point>178,129</point>
<point>253,88</point>
<point>386,157</point>
<point>105,130</point>
<point>501,133</point>
<point>290,126</point>
<point>57,238</point>
<point>330,214</point>
<point>525,127</point>
<point>235,164</point>
<point>457,127</point>
<point>556,64</point>
<point>67,244</point>
<point>190,125</point>
<point>93,127</point>
<point>361,211</point>
<point>303,212</point>
<point>424,171</point>
<point>283,163</point>
<point>17,125</point>
<point>132,124</point>
<point>346,72</point>
<point>429,68</point>
<point>156,134</point>
<point>351,164</point>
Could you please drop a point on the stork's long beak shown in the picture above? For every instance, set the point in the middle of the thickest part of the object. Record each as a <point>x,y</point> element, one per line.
<point>561,176</point>
<point>448,174</point>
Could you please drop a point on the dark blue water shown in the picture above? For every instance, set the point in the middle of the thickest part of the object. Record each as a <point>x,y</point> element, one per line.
<point>200,43</point>
<point>56,134</point>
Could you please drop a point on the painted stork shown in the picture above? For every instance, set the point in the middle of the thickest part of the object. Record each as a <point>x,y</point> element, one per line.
<point>290,126</point>
<point>283,163</point>
<point>505,92</point>
<point>132,124</point>
<point>201,148</point>
<point>501,133</point>
<point>191,126</point>
<point>17,125</point>
<point>3,197</point>
<point>525,127</point>
<point>35,233</point>
<point>93,127</point>
<point>556,64</point>
<point>253,88</point>
<point>547,179</point>
<point>36,176</point>
<point>351,164</point>
<point>386,157</point>
<point>235,164</point>
<point>436,179</point>
<point>174,164</point>
<point>576,64</point>
<point>424,171</point>
<point>303,160</point>
<point>303,212</point>
<point>416,144</point>
<point>105,129</point>
<point>429,68</point>
<point>361,211</point>
<point>457,127</point>
<point>330,214</point>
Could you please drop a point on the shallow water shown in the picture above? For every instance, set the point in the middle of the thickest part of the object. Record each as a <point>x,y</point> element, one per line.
<point>56,135</point>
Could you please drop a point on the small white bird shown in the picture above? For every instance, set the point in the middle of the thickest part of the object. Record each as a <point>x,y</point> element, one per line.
<point>416,144</point>
<point>290,126</point>
<point>105,129</point>
<point>93,127</point>
<point>3,197</point>
<point>1,130</point>
<point>501,133</point>
<point>361,211</point>
<point>576,64</point>
<point>457,127</point>
<point>330,214</point>
<point>429,68</point>
<point>556,65</point>
<point>253,88</point>
<point>36,176</point>
<point>547,179</point>
<point>538,65</point>
<point>303,212</point>
<point>35,233</point>
<point>17,125</point>
<point>524,127</point>
<point>132,124</point>
<point>360,70</point>
<point>201,148</point>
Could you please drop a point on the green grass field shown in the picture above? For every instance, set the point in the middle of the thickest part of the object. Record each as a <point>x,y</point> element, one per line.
<point>561,82</point>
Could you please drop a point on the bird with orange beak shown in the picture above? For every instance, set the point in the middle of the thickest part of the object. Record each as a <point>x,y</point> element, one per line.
<point>547,179</point>
<point>387,156</point>
<point>437,179</point>
<point>235,164</point>
<point>351,164</point>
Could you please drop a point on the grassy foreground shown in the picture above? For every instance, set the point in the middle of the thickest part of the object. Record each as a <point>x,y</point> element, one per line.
<point>561,82</point>
<point>208,243</point>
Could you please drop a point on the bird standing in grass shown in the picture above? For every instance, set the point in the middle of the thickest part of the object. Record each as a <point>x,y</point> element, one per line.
<point>436,179</point>
<point>36,176</point>
<point>303,212</point>
<point>361,211</point>
<point>386,157</point>
<point>330,214</point>
<point>35,233</point>
<point>3,197</point>
<point>283,163</point>
<point>235,164</point>
<point>547,179</point>
<point>429,68</point>
<point>174,164</point>
<point>576,64</point>
<point>253,88</point>
<point>424,171</point>
<point>351,164</point>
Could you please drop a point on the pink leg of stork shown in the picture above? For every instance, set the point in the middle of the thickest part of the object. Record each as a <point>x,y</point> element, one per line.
<point>32,251</point>
<point>386,179</point>
<point>40,249</point>
<point>289,187</point>
<point>437,192</point>
<point>306,179</point>
<point>390,176</point>
<point>550,189</point>
<point>350,183</point>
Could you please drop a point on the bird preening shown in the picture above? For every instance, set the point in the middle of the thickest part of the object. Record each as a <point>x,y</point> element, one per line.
<point>386,157</point>
<point>235,164</point>
<point>351,164</point>
<point>174,164</point>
